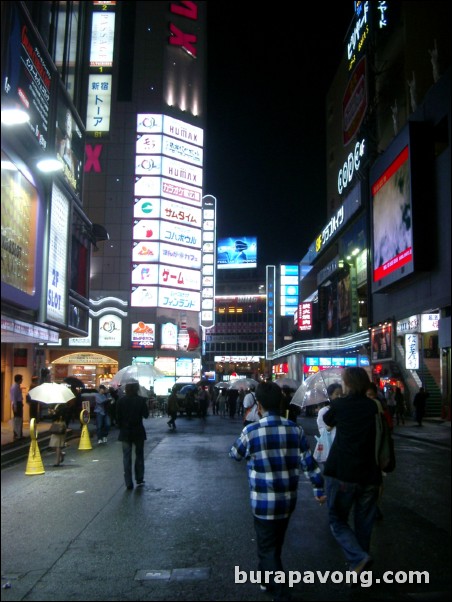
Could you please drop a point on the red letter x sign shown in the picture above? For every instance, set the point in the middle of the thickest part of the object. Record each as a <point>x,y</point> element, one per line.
<point>92,157</point>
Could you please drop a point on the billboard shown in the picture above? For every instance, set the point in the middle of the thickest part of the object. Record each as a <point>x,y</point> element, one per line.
<point>237,253</point>
<point>402,220</point>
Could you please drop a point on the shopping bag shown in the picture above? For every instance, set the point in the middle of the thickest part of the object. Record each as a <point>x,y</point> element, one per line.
<point>323,446</point>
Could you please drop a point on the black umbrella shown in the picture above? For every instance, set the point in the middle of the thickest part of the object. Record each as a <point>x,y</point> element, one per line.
<point>74,382</point>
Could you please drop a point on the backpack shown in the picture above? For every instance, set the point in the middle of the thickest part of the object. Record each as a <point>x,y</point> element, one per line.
<point>384,444</point>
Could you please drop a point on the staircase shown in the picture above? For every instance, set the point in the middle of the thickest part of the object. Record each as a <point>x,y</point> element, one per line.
<point>430,376</point>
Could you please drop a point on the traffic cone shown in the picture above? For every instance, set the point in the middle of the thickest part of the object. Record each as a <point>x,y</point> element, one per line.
<point>34,464</point>
<point>85,441</point>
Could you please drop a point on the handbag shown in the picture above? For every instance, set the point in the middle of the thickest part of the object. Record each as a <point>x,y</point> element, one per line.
<point>58,428</point>
<point>323,446</point>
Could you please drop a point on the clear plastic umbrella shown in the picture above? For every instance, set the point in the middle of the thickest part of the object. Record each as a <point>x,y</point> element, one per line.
<point>243,383</point>
<point>314,388</point>
<point>145,374</point>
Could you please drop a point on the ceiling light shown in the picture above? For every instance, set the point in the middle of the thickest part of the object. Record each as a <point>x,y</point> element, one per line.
<point>14,116</point>
<point>49,165</point>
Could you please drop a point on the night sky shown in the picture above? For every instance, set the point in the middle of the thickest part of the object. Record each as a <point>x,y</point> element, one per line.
<point>268,75</point>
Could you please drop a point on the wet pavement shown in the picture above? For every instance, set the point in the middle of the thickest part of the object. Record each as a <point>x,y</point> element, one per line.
<point>76,533</point>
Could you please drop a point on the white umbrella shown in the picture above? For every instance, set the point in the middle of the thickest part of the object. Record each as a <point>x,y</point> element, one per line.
<point>314,388</point>
<point>145,374</point>
<point>290,383</point>
<point>244,383</point>
<point>51,393</point>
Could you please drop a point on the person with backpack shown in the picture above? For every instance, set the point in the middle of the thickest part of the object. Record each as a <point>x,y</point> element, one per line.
<point>250,408</point>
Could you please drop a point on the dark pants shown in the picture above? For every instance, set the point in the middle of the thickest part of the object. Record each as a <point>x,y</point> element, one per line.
<point>342,498</point>
<point>127,461</point>
<point>270,538</point>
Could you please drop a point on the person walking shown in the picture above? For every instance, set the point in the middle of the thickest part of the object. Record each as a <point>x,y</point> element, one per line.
<point>327,434</point>
<point>102,417</point>
<point>400,406</point>
<point>17,404</point>
<point>352,475</point>
<point>172,407</point>
<point>250,408</point>
<point>274,448</point>
<point>58,438</point>
<point>222,400</point>
<point>419,403</point>
<point>132,408</point>
<point>33,405</point>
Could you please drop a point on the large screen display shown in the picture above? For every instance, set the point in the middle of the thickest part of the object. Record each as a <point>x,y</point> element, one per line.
<point>392,218</point>
<point>236,253</point>
<point>402,217</point>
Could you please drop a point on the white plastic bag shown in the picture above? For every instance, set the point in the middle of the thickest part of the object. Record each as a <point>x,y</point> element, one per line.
<point>322,449</point>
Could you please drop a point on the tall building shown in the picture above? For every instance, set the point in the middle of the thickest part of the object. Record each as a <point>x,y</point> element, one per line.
<point>47,236</point>
<point>135,256</point>
<point>378,274</point>
<point>145,122</point>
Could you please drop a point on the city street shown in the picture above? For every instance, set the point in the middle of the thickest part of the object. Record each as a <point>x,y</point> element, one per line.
<point>76,533</point>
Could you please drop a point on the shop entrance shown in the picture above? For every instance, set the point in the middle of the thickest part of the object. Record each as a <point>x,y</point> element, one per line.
<point>93,369</point>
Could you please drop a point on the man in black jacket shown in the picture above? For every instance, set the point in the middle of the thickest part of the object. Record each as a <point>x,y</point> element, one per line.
<point>352,475</point>
<point>132,408</point>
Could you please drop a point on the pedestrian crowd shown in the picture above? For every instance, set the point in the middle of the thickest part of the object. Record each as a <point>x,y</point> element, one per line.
<point>348,477</point>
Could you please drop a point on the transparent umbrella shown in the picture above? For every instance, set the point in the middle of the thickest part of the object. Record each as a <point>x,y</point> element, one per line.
<point>145,374</point>
<point>243,383</point>
<point>314,388</point>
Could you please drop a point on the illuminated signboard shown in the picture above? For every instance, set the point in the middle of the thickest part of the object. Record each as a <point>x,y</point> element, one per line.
<point>99,103</point>
<point>184,367</point>
<point>179,277</point>
<point>143,296</point>
<point>58,251</point>
<point>304,316</point>
<point>70,142</point>
<point>82,341</point>
<point>168,339</point>
<point>144,274</point>
<point>102,38</point>
<point>189,258</point>
<point>158,144</point>
<point>182,214</point>
<point>143,335</point>
<point>237,253</point>
<point>20,235</point>
<point>110,331</point>
<point>179,299</point>
<point>382,343</point>
<point>393,239</point>
<point>166,227</point>
<point>167,365</point>
<point>208,252</point>
<point>412,351</point>
<point>27,75</point>
<point>289,281</point>
<point>270,308</point>
<point>402,222</point>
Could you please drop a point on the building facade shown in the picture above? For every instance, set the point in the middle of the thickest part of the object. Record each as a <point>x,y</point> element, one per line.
<point>378,275</point>
<point>45,290</point>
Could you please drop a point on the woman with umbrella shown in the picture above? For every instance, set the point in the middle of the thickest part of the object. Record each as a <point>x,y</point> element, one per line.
<point>58,439</point>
